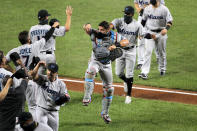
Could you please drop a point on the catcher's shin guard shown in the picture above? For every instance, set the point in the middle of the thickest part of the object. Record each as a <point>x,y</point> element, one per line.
<point>89,85</point>
<point>107,99</point>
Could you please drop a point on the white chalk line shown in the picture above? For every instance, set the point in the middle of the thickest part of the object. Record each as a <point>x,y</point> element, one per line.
<point>139,88</point>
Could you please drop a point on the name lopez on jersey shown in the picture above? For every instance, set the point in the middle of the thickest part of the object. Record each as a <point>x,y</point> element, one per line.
<point>155,17</point>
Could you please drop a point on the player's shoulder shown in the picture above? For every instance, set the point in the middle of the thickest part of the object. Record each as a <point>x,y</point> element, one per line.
<point>40,27</point>
<point>4,71</point>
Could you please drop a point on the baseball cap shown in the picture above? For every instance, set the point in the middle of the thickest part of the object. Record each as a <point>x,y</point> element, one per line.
<point>43,14</point>
<point>53,67</point>
<point>23,117</point>
<point>129,10</point>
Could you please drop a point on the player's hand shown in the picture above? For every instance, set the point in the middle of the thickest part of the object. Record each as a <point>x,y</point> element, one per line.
<point>56,24</point>
<point>164,31</point>
<point>153,36</point>
<point>112,47</point>
<point>87,27</point>
<point>124,43</point>
<point>42,63</point>
<point>69,10</point>
<point>19,62</point>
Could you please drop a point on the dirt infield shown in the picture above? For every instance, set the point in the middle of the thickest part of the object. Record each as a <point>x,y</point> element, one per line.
<point>187,97</point>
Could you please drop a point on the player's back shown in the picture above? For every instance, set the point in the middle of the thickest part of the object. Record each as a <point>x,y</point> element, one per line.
<point>38,31</point>
<point>157,17</point>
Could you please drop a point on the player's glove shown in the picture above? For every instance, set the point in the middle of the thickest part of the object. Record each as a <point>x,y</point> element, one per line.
<point>14,57</point>
<point>19,74</point>
<point>34,62</point>
<point>61,99</point>
<point>141,12</point>
<point>52,21</point>
<point>114,54</point>
<point>148,36</point>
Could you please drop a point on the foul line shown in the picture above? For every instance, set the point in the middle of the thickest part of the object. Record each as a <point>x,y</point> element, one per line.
<point>139,88</point>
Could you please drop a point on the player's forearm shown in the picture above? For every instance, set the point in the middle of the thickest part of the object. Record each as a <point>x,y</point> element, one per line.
<point>4,92</point>
<point>68,23</point>
<point>9,68</point>
<point>49,34</point>
<point>137,7</point>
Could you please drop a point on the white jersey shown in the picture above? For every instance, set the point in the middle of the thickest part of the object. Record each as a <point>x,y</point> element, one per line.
<point>28,51</point>
<point>130,31</point>
<point>156,18</point>
<point>144,3</point>
<point>47,91</point>
<point>3,73</point>
<point>38,31</point>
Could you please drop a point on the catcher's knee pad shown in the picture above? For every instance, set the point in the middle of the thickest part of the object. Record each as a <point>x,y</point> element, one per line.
<point>108,92</point>
<point>90,74</point>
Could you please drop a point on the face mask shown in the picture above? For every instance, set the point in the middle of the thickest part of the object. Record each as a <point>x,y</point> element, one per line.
<point>127,19</point>
<point>100,35</point>
<point>30,127</point>
<point>44,22</point>
<point>153,2</point>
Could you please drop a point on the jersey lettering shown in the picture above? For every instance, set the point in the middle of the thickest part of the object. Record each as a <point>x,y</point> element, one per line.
<point>155,17</point>
<point>46,88</point>
<point>25,51</point>
<point>39,32</point>
<point>123,31</point>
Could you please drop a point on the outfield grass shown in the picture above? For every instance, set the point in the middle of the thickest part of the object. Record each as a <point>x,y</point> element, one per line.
<point>141,115</point>
<point>74,50</point>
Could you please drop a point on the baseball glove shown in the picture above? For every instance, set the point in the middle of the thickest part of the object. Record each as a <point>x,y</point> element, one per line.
<point>116,53</point>
<point>19,74</point>
<point>35,61</point>
<point>61,99</point>
<point>14,57</point>
<point>52,21</point>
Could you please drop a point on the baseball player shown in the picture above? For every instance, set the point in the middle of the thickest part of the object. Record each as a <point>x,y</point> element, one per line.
<point>139,6</point>
<point>130,29</point>
<point>38,31</point>
<point>11,95</point>
<point>51,93</point>
<point>27,50</point>
<point>28,124</point>
<point>103,42</point>
<point>157,20</point>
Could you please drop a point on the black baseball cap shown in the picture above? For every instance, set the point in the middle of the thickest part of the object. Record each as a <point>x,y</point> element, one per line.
<point>128,10</point>
<point>53,67</point>
<point>23,117</point>
<point>42,14</point>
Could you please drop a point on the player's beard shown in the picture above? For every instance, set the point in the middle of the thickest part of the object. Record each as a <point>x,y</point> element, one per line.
<point>127,19</point>
<point>30,127</point>
<point>100,35</point>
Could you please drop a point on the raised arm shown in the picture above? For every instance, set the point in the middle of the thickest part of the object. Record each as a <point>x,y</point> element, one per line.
<point>87,28</point>
<point>4,92</point>
<point>69,10</point>
<point>35,71</point>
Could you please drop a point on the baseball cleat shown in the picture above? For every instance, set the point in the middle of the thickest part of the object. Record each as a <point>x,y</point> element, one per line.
<point>106,118</point>
<point>86,102</point>
<point>128,100</point>
<point>139,66</point>
<point>143,76</point>
<point>162,73</point>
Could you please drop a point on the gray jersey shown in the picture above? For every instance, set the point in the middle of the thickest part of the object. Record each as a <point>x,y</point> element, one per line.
<point>144,3</point>
<point>31,92</point>
<point>27,51</point>
<point>47,91</point>
<point>40,127</point>
<point>129,31</point>
<point>38,31</point>
<point>156,18</point>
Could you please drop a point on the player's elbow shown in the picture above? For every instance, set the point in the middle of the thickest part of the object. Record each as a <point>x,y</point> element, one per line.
<point>67,28</point>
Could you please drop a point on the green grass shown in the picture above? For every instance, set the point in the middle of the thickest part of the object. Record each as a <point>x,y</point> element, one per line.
<point>73,50</point>
<point>141,115</point>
